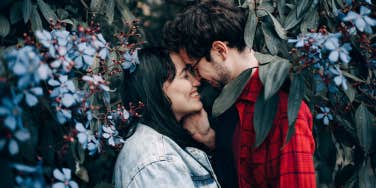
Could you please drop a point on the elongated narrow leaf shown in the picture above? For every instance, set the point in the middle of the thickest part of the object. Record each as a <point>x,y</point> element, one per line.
<point>95,5</point>
<point>296,95</point>
<point>364,127</point>
<point>350,93</point>
<point>302,6</point>
<point>124,11</point>
<point>291,20</point>
<point>366,175</point>
<point>281,9</point>
<point>278,27</point>
<point>230,93</point>
<point>110,9</point>
<point>310,21</point>
<point>263,58</point>
<point>250,28</point>
<point>62,14</point>
<point>263,7</point>
<point>47,12</point>
<point>15,13</point>
<point>273,75</point>
<point>265,111</point>
<point>4,26</point>
<point>36,22</point>
<point>26,10</point>
<point>271,41</point>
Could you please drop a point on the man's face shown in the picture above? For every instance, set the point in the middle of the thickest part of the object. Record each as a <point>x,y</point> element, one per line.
<point>214,71</point>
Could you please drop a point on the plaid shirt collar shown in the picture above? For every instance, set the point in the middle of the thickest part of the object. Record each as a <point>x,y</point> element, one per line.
<point>252,89</point>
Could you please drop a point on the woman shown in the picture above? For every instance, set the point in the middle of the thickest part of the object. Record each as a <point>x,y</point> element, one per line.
<point>159,152</point>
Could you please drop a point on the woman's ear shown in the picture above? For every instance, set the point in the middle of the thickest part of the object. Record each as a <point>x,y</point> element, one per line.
<point>220,48</point>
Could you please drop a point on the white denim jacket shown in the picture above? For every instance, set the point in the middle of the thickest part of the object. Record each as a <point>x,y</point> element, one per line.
<point>150,159</point>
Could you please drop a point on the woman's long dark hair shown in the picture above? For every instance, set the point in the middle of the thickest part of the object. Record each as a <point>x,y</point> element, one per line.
<point>145,85</point>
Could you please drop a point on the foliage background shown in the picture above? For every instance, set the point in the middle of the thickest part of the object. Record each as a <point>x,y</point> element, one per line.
<point>345,154</point>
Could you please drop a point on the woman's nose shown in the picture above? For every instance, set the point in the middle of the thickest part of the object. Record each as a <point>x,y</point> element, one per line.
<point>195,80</point>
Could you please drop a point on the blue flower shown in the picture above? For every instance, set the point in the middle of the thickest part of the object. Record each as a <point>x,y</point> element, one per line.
<point>325,115</point>
<point>31,95</point>
<point>83,134</point>
<point>85,55</point>
<point>131,59</point>
<point>339,79</point>
<point>12,111</point>
<point>19,135</point>
<point>93,146</point>
<point>65,179</point>
<point>45,38</point>
<point>100,44</point>
<point>26,64</point>
<point>63,115</point>
<point>337,51</point>
<point>64,89</point>
<point>31,177</point>
<point>62,59</point>
<point>111,134</point>
<point>362,21</point>
<point>97,81</point>
<point>300,41</point>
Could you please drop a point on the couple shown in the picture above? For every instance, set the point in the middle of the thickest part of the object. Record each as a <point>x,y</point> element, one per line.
<point>166,146</point>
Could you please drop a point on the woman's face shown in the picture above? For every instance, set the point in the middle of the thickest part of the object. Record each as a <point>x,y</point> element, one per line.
<point>182,90</point>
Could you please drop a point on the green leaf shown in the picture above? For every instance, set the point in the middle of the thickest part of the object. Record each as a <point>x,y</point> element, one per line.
<point>302,7</point>
<point>250,28</point>
<point>26,10</point>
<point>15,13</point>
<point>310,21</point>
<point>124,11</point>
<point>271,41</point>
<point>278,27</point>
<point>296,95</point>
<point>265,111</point>
<point>263,7</point>
<point>110,9</point>
<point>47,12</point>
<point>4,26</point>
<point>273,75</point>
<point>95,5</point>
<point>263,58</point>
<point>36,22</point>
<point>68,21</point>
<point>366,176</point>
<point>230,93</point>
<point>291,20</point>
<point>350,93</point>
<point>62,14</point>
<point>281,9</point>
<point>364,127</point>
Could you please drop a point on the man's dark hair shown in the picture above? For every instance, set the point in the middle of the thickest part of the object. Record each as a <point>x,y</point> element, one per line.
<point>203,23</point>
<point>145,85</point>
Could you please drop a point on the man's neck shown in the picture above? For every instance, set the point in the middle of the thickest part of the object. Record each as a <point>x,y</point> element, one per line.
<point>243,61</point>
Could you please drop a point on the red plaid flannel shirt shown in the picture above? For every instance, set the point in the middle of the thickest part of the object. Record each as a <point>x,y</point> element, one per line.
<point>271,164</point>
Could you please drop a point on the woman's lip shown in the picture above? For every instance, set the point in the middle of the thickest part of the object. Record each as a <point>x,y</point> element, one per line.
<point>195,94</point>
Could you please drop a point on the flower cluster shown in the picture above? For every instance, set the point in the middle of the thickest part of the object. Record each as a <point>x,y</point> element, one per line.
<point>327,55</point>
<point>69,72</point>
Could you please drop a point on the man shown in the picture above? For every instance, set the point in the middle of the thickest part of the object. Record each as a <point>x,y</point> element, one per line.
<point>209,36</point>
